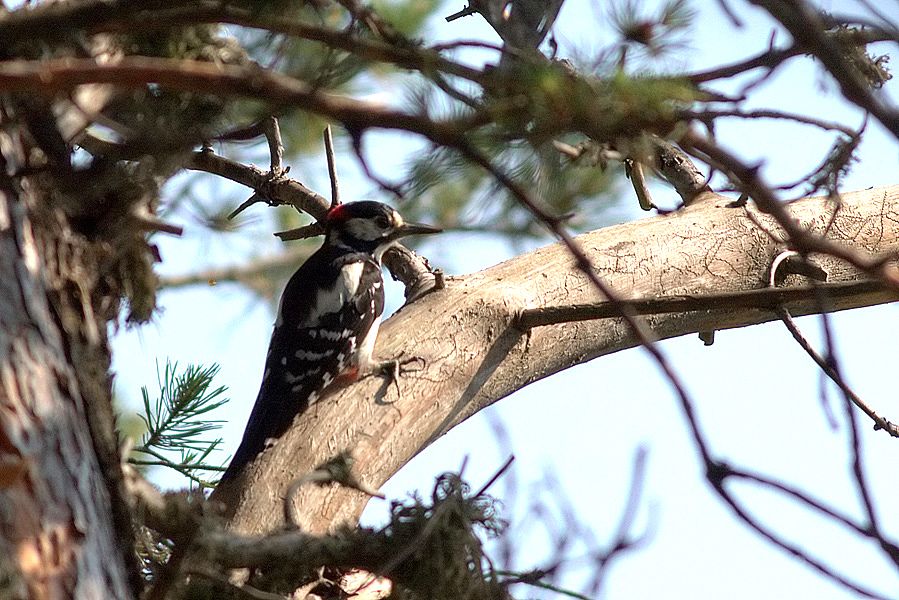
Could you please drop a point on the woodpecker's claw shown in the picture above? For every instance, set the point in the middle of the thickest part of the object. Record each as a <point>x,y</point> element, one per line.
<point>394,369</point>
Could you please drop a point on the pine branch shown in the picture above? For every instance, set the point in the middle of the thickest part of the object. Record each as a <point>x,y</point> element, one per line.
<point>178,419</point>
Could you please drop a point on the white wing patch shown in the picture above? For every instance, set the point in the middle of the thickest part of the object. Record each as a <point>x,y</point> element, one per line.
<point>329,299</point>
<point>363,356</point>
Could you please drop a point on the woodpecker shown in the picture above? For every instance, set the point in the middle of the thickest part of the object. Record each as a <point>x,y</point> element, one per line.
<point>327,321</point>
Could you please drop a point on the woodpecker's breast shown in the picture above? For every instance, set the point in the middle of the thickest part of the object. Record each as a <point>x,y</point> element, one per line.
<point>327,324</point>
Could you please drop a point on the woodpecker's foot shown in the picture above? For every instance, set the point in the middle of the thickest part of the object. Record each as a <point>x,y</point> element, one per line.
<point>393,370</point>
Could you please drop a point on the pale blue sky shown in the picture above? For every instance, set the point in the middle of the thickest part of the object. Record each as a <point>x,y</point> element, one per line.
<point>757,394</point>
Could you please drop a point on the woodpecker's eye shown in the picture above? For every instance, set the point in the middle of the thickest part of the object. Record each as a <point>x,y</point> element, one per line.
<point>382,221</point>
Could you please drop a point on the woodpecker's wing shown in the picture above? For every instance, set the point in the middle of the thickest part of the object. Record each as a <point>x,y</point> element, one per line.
<point>326,325</point>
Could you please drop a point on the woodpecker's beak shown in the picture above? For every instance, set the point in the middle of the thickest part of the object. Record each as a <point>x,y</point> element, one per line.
<point>415,229</point>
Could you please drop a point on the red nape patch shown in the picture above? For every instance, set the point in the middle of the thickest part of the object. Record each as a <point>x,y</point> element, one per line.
<point>338,214</point>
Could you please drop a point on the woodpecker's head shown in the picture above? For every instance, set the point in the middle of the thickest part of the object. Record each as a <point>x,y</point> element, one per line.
<point>369,226</point>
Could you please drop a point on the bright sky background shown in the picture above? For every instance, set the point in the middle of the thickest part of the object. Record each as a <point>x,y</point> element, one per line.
<point>575,435</point>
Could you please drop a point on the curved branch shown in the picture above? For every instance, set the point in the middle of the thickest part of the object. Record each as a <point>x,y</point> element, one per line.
<point>51,76</point>
<point>774,57</point>
<point>476,356</point>
<point>120,16</point>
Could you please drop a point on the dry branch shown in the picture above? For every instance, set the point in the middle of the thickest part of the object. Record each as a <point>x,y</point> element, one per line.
<point>475,355</point>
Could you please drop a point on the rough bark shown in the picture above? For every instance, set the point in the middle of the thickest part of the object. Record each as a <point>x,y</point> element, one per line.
<point>57,536</point>
<point>475,355</point>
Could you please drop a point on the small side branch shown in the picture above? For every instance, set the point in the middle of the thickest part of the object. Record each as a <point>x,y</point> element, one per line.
<point>806,25</point>
<point>792,261</point>
<point>332,167</point>
<point>275,146</point>
<point>413,271</point>
<point>406,266</point>
<point>761,299</point>
<point>678,169</point>
<point>828,369</point>
<point>244,273</point>
<point>275,192</point>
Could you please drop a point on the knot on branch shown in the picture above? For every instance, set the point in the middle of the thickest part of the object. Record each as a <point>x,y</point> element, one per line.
<point>413,271</point>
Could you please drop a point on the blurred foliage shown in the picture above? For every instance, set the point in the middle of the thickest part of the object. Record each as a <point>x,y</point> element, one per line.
<point>129,425</point>
<point>447,189</point>
<point>408,16</point>
<point>531,107</point>
<point>157,120</point>
<point>657,34</point>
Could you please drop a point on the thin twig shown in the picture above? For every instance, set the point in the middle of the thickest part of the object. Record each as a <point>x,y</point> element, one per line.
<point>774,57</point>
<point>174,465</point>
<point>275,147</point>
<point>273,191</point>
<point>863,489</point>
<point>643,335</point>
<point>623,541</point>
<point>404,264</point>
<point>165,462</point>
<point>534,579</point>
<point>356,138</point>
<point>799,496</point>
<point>712,114</point>
<point>499,473</point>
<point>826,367</point>
<point>788,547</point>
<point>332,167</point>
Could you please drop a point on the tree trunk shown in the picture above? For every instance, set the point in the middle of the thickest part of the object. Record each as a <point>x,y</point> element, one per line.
<point>475,355</point>
<point>57,535</point>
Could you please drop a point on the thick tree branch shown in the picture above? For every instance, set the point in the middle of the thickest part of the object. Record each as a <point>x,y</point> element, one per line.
<point>51,76</point>
<point>799,237</point>
<point>475,355</point>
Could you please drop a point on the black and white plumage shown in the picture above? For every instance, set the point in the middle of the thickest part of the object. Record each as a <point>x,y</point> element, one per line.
<point>327,321</point>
